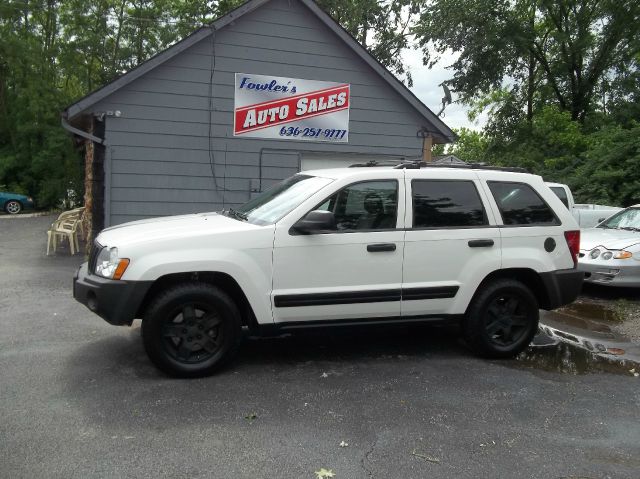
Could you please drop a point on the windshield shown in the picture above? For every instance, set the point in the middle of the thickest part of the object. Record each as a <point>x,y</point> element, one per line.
<point>273,204</point>
<point>628,219</point>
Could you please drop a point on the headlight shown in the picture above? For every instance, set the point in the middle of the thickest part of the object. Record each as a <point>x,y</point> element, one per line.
<point>607,255</point>
<point>109,265</point>
<point>623,254</point>
<point>594,254</point>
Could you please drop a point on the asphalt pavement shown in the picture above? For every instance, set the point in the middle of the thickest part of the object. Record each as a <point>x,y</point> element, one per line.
<point>79,399</point>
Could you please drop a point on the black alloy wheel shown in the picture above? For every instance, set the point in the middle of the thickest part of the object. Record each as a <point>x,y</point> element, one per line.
<point>506,319</point>
<point>193,333</point>
<point>191,329</point>
<point>502,319</point>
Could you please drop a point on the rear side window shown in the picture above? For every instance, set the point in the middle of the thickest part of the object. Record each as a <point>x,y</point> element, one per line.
<point>446,204</point>
<point>562,194</point>
<point>521,205</point>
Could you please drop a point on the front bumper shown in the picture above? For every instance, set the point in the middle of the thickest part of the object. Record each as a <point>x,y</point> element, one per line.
<point>562,287</point>
<point>622,273</point>
<point>117,302</point>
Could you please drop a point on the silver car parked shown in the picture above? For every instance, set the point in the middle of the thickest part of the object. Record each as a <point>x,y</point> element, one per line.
<point>610,252</point>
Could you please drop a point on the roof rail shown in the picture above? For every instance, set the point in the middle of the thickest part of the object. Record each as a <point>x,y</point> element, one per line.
<point>372,163</point>
<point>471,166</point>
<point>417,164</point>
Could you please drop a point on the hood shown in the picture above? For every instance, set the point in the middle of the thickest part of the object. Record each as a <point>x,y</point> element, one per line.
<point>609,238</point>
<point>170,227</point>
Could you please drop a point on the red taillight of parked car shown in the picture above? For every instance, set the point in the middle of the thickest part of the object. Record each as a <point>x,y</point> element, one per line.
<point>573,242</point>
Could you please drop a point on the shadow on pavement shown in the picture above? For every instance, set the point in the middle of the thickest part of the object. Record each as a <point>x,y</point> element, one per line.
<point>123,355</point>
<point>295,369</point>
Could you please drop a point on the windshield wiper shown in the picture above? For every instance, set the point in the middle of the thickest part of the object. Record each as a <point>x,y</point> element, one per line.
<point>629,228</point>
<point>237,215</point>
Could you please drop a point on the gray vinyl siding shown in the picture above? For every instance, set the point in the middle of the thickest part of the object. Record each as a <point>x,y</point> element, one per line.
<point>163,150</point>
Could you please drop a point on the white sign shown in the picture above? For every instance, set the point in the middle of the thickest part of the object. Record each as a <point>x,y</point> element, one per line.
<point>291,109</point>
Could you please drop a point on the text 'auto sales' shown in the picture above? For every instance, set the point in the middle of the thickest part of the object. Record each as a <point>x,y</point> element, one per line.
<point>293,108</point>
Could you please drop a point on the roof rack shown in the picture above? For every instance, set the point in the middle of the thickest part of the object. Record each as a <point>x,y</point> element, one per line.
<point>417,164</point>
<point>372,163</point>
<point>411,165</point>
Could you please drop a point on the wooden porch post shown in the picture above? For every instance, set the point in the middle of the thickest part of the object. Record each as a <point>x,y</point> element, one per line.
<point>427,145</point>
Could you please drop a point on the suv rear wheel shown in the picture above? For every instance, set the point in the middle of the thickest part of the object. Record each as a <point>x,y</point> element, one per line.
<point>502,319</point>
<point>191,330</point>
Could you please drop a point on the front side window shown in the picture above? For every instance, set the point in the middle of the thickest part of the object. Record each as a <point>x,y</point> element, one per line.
<point>446,204</point>
<point>520,205</point>
<point>273,204</point>
<point>368,205</point>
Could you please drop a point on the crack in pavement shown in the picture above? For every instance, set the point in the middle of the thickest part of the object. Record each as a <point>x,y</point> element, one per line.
<point>365,458</point>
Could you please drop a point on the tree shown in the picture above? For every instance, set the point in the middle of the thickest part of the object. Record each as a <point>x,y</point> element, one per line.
<point>53,52</point>
<point>471,146</point>
<point>610,173</point>
<point>382,27</point>
<point>543,51</point>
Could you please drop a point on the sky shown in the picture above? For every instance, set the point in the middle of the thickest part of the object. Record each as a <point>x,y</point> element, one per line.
<point>426,87</point>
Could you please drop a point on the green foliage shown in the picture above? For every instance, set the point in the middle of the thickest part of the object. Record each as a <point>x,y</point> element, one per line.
<point>557,52</point>
<point>52,53</point>
<point>471,146</point>
<point>560,81</point>
<point>611,170</point>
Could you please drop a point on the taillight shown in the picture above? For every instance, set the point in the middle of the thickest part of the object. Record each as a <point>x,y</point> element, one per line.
<point>573,242</point>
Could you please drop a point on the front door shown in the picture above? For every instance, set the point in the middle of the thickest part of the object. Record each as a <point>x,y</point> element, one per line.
<point>351,273</point>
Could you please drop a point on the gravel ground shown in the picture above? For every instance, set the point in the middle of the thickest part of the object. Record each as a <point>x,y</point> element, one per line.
<point>620,307</point>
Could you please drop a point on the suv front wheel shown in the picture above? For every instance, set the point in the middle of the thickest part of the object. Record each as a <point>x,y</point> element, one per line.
<point>192,329</point>
<point>502,319</point>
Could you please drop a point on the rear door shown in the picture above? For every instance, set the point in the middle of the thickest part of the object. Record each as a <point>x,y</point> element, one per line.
<point>531,227</point>
<point>452,241</point>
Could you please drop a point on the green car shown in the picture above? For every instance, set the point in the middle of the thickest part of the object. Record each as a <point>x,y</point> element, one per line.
<point>14,203</point>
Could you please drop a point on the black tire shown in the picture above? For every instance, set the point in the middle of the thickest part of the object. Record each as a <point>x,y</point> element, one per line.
<point>13,207</point>
<point>191,330</point>
<point>501,320</point>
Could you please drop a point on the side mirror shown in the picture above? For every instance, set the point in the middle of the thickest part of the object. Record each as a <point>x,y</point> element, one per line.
<point>315,222</point>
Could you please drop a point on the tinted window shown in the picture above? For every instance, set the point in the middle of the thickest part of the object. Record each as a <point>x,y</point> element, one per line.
<point>519,204</point>
<point>562,194</point>
<point>441,204</point>
<point>368,205</point>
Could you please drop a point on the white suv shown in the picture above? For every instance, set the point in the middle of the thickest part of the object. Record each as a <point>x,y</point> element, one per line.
<point>481,247</point>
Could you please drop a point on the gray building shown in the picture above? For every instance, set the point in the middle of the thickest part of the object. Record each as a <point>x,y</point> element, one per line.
<point>161,140</point>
